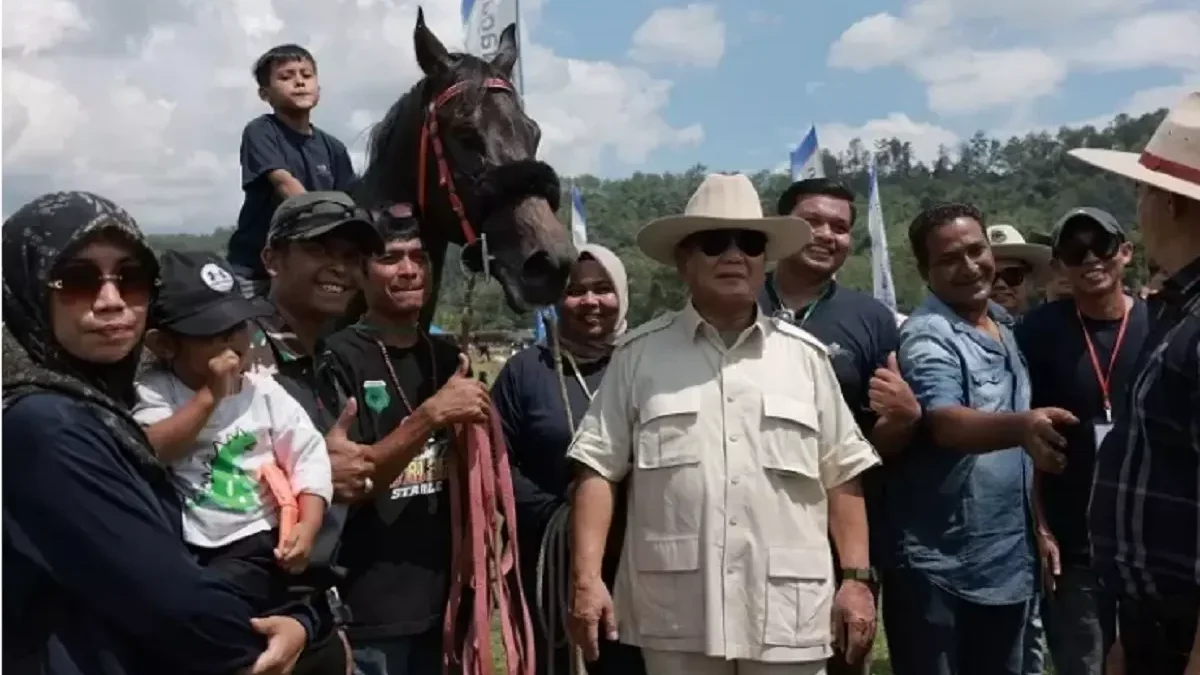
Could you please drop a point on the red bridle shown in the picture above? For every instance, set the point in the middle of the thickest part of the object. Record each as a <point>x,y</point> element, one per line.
<point>429,136</point>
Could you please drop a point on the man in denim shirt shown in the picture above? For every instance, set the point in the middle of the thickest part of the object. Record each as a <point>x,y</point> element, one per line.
<point>958,500</point>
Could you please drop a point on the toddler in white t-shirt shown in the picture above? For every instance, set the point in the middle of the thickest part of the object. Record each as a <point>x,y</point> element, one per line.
<point>253,471</point>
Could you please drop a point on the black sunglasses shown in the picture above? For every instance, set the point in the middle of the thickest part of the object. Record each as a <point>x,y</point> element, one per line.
<point>82,282</point>
<point>1074,251</point>
<point>713,243</point>
<point>1012,276</point>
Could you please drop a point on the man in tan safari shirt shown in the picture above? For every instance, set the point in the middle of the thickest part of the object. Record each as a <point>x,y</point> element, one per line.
<point>742,457</point>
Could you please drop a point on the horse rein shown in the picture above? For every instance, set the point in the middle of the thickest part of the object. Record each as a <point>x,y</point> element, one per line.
<point>431,138</point>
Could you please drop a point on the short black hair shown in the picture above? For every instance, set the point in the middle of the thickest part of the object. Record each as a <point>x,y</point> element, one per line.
<point>808,187</point>
<point>397,225</point>
<point>276,56</point>
<point>931,219</point>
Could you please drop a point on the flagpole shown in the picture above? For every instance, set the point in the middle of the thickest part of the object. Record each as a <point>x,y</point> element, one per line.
<point>521,53</point>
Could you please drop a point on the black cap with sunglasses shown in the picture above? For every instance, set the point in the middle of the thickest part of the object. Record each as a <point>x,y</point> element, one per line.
<point>1072,251</point>
<point>314,214</point>
<point>199,296</point>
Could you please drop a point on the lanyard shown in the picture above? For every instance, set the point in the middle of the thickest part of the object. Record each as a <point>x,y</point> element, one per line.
<point>788,314</point>
<point>1102,378</point>
<point>578,378</point>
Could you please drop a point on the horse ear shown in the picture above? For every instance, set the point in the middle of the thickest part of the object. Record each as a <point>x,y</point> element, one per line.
<point>431,53</point>
<point>506,52</point>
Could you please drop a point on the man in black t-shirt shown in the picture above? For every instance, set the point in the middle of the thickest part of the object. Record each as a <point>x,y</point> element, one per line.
<point>1081,353</point>
<point>861,335</point>
<point>408,388</point>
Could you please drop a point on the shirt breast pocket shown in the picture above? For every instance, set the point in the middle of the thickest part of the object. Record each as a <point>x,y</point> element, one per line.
<point>791,443</point>
<point>668,481</point>
<point>991,387</point>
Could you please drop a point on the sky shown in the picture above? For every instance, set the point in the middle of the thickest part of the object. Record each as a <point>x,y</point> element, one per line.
<point>144,101</point>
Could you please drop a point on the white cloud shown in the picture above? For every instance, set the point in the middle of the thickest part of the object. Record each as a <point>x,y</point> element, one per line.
<point>967,81</point>
<point>150,111</point>
<point>692,36</point>
<point>927,38</point>
<point>925,137</point>
<point>1170,38</point>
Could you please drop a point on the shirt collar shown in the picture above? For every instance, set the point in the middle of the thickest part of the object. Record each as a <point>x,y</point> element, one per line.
<point>935,304</point>
<point>1183,284</point>
<point>283,340</point>
<point>692,323</point>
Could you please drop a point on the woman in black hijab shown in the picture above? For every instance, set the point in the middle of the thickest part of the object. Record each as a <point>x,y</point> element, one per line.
<point>97,580</point>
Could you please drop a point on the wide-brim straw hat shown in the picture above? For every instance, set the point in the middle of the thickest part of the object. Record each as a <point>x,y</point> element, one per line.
<point>1170,161</point>
<point>1008,244</point>
<point>723,202</point>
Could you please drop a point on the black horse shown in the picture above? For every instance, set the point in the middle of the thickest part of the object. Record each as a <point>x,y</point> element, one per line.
<point>459,149</point>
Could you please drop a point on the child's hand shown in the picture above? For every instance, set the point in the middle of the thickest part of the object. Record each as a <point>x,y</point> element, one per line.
<point>293,553</point>
<point>224,374</point>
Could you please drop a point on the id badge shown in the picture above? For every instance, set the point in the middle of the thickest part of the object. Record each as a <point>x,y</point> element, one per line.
<point>1101,429</point>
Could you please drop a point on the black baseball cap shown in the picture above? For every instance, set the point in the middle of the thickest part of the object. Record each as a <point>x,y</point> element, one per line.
<point>313,214</point>
<point>1086,215</point>
<point>200,296</point>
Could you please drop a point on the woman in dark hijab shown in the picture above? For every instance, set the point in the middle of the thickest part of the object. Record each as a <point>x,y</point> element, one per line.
<point>97,580</point>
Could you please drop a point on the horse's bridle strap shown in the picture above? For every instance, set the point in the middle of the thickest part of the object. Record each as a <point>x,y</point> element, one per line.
<point>431,137</point>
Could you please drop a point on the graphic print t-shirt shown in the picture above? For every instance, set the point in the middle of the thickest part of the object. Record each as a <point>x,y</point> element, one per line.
<point>224,500</point>
<point>395,548</point>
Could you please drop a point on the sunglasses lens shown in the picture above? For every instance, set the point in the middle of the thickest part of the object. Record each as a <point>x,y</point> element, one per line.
<point>135,284</point>
<point>1013,276</point>
<point>78,283</point>
<point>713,242</point>
<point>752,243</point>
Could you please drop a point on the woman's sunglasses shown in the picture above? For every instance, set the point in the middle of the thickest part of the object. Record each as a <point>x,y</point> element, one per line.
<point>1073,252</point>
<point>713,243</point>
<point>82,283</point>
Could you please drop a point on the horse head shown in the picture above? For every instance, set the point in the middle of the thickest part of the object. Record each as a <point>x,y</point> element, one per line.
<point>460,147</point>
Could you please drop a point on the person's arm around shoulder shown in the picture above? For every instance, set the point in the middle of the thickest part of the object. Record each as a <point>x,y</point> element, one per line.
<point>603,451</point>
<point>73,506</point>
<point>262,159</point>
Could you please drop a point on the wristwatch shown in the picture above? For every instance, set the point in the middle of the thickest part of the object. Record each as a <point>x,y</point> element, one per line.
<point>866,575</point>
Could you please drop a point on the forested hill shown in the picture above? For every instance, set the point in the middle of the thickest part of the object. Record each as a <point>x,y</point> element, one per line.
<point>1028,182</point>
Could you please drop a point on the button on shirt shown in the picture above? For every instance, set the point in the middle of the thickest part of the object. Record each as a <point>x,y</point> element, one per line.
<point>1144,516</point>
<point>963,519</point>
<point>726,550</point>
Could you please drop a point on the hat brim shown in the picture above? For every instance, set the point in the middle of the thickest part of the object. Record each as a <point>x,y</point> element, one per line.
<point>363,232</point>
<point>1036,256</point>
<point>1127,164</point>
<point>217,317</point>
<point>785,234</point>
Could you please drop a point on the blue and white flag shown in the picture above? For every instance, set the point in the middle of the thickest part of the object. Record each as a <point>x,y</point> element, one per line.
<point>881,265</point>
<point>806,158</point>
<point>578,219</point>
<point>484,21</point>
<point>542,318</point>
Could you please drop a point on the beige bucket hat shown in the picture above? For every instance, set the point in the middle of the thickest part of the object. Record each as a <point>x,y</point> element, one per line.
<point>723,202</point>
<point>1008,244</point>
<point>1170,161</point>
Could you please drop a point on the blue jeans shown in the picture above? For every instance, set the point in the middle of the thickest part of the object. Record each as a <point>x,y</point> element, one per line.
<point>409,655</point>
<point>933,632</point>
<point>1080,621</point>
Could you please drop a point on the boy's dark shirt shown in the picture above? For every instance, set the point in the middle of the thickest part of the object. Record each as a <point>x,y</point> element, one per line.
<point>396,548</point>
<point>319,161</point>
<point>1062,376</point>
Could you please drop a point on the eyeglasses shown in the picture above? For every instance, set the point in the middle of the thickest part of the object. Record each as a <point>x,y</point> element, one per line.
<point>1073,252</point>
<point>713,243</point>
<point>1012,276</point>
<point>82,283</point>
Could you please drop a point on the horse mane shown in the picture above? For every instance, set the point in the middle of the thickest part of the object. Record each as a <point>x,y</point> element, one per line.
<point>392,143</point>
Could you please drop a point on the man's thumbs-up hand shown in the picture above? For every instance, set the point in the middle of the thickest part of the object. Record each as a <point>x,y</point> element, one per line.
<point>890,396</point>
<point>351,464</point>
<point>462,400</point>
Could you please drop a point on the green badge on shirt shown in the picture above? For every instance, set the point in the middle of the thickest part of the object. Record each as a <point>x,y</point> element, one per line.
<point>375,395</point>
